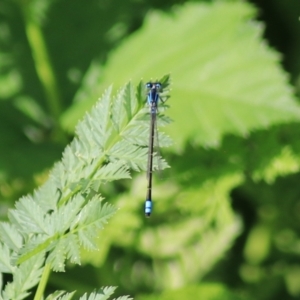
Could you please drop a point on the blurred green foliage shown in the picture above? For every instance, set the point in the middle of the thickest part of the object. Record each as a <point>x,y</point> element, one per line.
<point>228,210</point>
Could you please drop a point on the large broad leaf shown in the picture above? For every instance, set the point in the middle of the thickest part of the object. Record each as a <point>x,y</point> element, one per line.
<point>225,79</point>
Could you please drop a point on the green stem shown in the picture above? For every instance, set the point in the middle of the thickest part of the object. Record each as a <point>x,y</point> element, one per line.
<point>43,282</point>
<point>42,62</point>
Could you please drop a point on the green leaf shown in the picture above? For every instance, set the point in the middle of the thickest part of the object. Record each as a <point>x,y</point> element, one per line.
<point>57,296</point>
<point>5,260</point>
<point>10,236</point>
<point>63,214</point>
<point>67,296</point>
<point>96,123</point>
<point>57,256</point>
<point>72,249</point>
<point>24,278</point>
<point>113,171</point>
<point>101,294</point>
<point>286,162</point>
<point>118,113</point>
<point>28,216</point>
<point>226,80</point>
<point>92,218</point>
<point>66,247</point>
<point>62,218</point>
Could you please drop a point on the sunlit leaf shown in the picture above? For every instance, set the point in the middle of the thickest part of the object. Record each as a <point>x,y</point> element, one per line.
<point>225,79</point>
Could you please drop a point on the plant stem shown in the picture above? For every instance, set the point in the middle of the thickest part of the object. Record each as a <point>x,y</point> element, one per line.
<point>42,62</point>
<point>42,285</point>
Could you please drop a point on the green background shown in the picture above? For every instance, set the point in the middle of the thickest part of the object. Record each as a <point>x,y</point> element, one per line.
<point>226,214</point>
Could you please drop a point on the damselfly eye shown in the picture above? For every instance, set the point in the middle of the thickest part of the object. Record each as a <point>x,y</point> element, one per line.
<point>149,85</point>
<point>158,85</point>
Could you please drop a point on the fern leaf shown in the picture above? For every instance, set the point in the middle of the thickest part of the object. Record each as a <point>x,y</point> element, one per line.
<point>57,256</point>
<point>62,218</point>
<point>47,195</point>
<point>118,114</point>
<point>59,217</point>
<point>67,296</point>
<point>113,171</point>
<point>60,295</point>
<point>137,133</point>
<point>91,219</point>
<point>88,242</point>
<point>130,102</point>
<point>10,236</point>
<point>28,216</point>
<point>72,249</point>
<point>97,123</point>
<point>5,260</point>
<point>24,278</point>
<point>130,154</point>
<point>101,294</point>
<point>66,247</point>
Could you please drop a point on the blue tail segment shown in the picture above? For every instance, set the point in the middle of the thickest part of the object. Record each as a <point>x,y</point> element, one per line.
<point>148,207</point>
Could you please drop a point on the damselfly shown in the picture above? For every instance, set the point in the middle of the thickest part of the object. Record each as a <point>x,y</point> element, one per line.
<point>152,98</point>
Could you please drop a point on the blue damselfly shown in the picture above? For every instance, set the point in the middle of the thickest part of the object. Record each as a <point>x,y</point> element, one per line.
<point>152,100</point>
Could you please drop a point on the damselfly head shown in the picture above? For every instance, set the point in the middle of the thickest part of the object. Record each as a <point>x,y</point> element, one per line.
<point>153,85</point>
